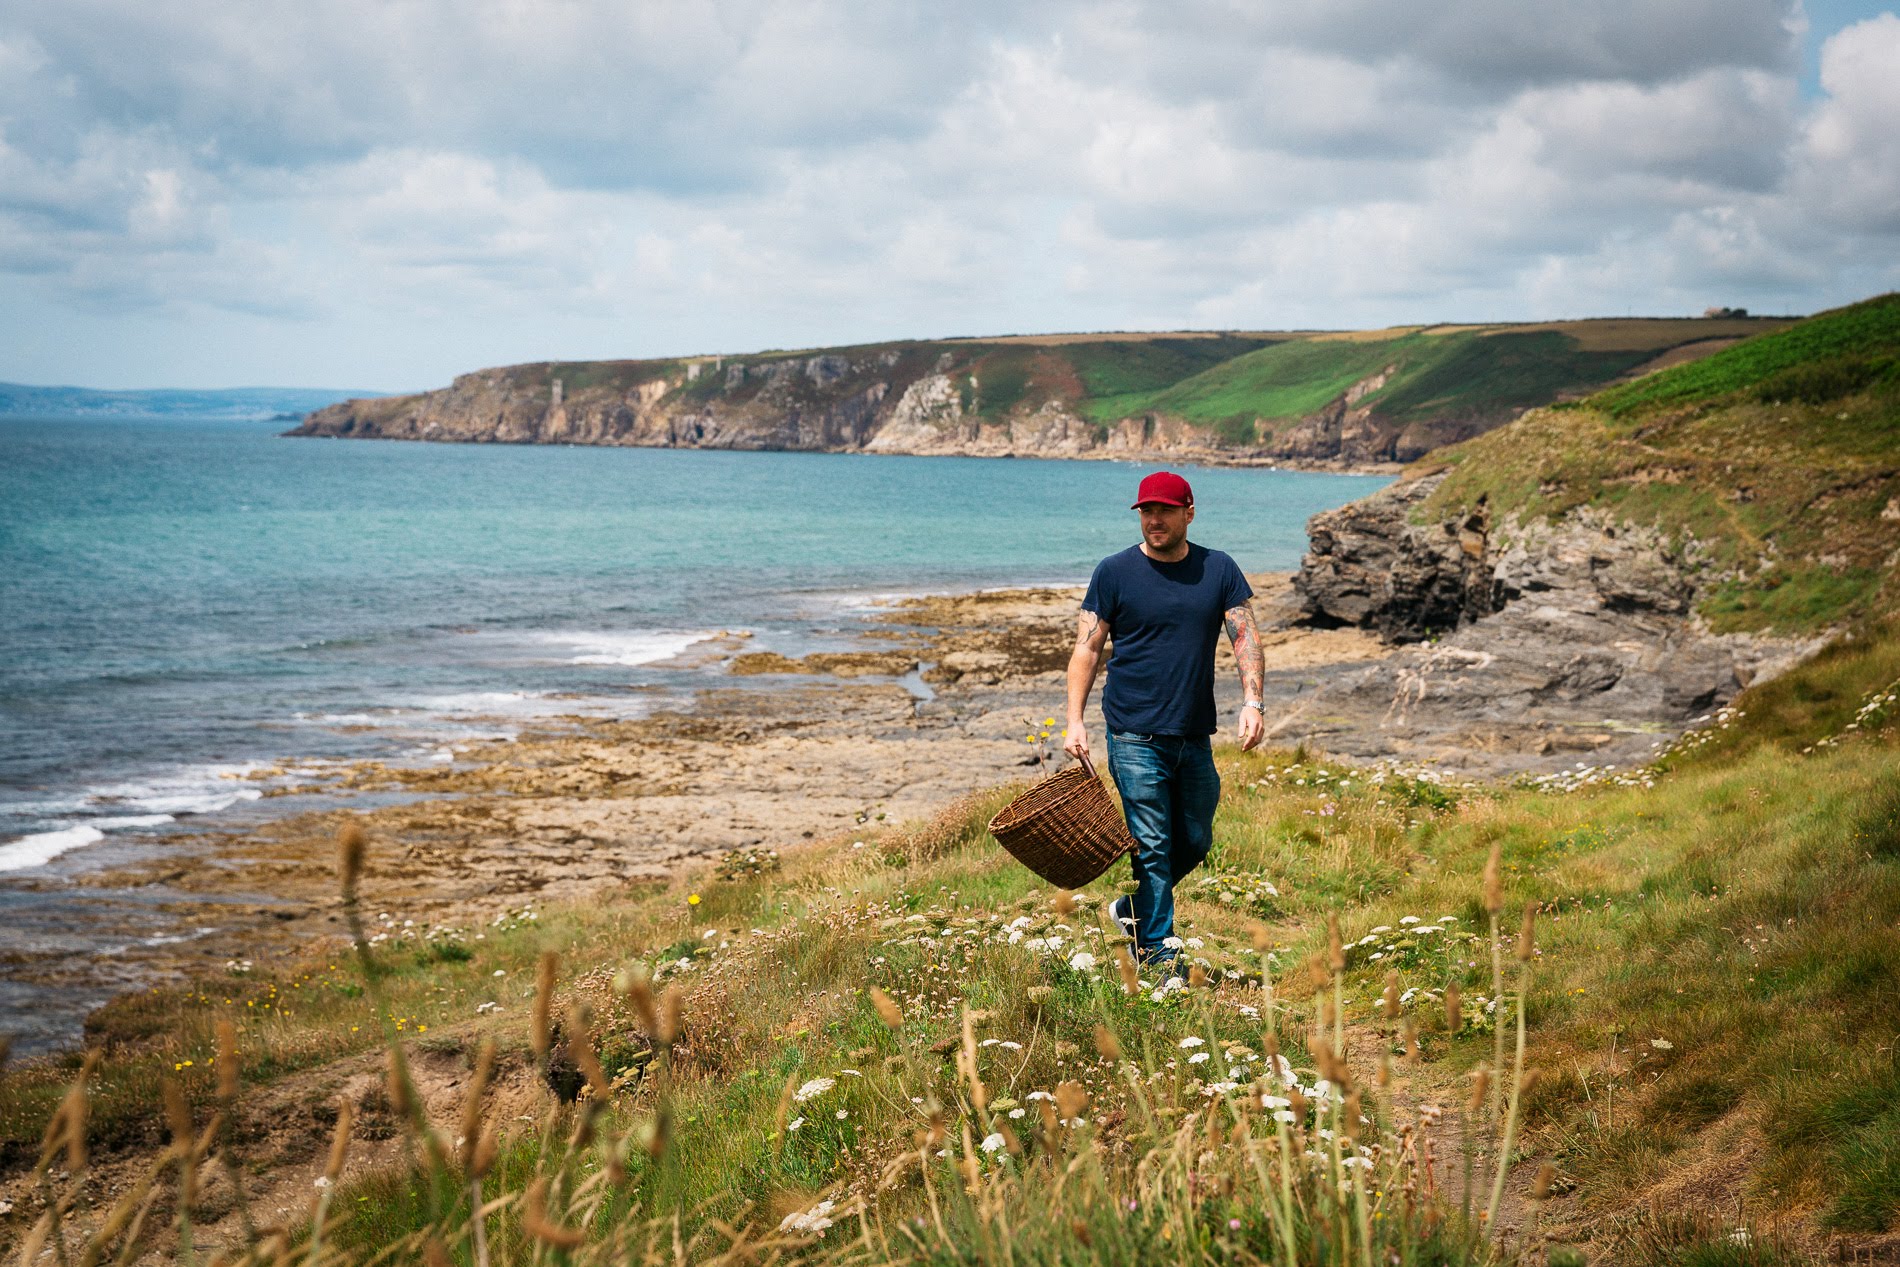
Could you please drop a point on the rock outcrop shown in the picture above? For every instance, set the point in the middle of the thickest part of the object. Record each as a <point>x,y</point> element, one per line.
<point>1521,635</point>
<point>1370,566</point>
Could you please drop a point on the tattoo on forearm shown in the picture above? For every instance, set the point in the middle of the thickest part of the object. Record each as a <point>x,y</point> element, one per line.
<point>1087,628</point>
<point>1247,653</point>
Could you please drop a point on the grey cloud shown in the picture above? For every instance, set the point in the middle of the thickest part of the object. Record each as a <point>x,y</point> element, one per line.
<point>656,178</point>
<point>1509,44</point>
<point>679,95</point>
<point>1722,128</point>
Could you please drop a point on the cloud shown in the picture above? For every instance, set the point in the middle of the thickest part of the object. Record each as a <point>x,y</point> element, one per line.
<point>420,187</point>
<point>1851,150</point>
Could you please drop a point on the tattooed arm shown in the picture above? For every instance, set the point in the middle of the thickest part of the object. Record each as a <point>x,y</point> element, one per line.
<point>1253,673</point>
<point>1091,634</point>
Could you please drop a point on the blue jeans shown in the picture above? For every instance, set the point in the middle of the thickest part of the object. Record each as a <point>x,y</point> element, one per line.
<point>1169,789</point>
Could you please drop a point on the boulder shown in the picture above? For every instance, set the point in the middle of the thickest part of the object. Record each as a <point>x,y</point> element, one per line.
<point>1371,567</point>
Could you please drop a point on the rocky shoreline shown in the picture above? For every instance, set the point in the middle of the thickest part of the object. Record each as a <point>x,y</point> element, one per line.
<point>1581,647</point>
<point>1520,638</point>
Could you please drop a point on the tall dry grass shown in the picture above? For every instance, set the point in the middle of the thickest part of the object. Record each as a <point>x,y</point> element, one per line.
<point>1297,1159</point>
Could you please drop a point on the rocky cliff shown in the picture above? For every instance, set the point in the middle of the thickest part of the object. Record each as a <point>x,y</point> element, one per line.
<point>1617,568</point>
<point>1246,398</point>
<point>1522,633</point>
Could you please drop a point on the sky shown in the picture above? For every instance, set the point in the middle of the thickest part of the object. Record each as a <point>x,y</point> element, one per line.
<point>380,194</point>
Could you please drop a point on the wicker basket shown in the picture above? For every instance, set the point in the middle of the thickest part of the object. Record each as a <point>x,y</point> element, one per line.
<point>1066,828</point>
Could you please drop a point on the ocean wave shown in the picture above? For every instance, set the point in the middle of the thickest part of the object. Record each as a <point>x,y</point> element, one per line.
<point>42,847</point>
<point>625,648</point>
<point>92,812</point>
<point>486,704</point>
<point>202,789</point>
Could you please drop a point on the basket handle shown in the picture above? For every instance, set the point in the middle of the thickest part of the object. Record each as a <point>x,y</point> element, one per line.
<point>1089,766</point>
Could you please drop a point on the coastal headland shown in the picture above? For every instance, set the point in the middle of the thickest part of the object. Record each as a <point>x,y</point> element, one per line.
<point>1360,400</point>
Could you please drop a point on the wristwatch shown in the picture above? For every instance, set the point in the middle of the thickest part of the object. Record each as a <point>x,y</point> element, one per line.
<point>1254,704</point>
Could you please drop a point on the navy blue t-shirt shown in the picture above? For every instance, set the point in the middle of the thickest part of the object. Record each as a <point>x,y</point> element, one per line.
<point>1165,619</point>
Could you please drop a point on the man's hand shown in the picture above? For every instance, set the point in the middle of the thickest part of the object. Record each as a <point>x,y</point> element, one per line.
<point>1075,741</point>
<point>1253,728</point>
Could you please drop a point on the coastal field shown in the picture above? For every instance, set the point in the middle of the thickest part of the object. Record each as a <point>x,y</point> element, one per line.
<point>854,1037</point>
<point>1529,1008</point>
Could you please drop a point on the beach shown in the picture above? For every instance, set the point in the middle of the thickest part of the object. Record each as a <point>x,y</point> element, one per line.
<point>933,702</point>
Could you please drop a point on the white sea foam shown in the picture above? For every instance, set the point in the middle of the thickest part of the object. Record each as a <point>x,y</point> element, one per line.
<point>42,847</point>
<point>487,704</point>
<point>203,789</point>
<point>617,647</point>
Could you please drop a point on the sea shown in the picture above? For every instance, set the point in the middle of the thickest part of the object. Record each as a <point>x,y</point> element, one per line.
<point>187,601</point>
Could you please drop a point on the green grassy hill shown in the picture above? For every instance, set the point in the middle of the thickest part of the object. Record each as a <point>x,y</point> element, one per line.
<point>1775,463</point>
<point>1455,374</point>
<point>1247,390</point>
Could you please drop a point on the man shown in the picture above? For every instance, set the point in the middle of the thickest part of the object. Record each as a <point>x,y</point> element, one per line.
<point>1164,603</point>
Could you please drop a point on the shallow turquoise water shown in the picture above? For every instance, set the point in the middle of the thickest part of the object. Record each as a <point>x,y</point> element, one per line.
<point>181,598</point>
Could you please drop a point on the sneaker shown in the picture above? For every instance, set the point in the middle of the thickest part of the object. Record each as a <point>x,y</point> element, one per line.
<point>1122,911</point>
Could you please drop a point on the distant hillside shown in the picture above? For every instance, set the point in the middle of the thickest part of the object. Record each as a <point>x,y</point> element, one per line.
<point>1256,396</point>
<point>17,400</point>
<point>1770,471</point>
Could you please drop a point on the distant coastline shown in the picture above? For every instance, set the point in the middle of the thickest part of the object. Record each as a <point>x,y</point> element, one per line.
<point>1339,401</point>
<point>262,404</point>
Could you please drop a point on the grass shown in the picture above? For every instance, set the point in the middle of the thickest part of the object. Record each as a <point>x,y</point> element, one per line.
<point>1117,377</point>
<point>1838,352</point>
<point>1468,374</point>
<point>1773,468</point>
<point>1716,957</point>
<point>1287,380</point>
<point>1493,374</point>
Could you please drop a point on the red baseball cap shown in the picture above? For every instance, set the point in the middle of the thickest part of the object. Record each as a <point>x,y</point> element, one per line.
<point>1164,488</point>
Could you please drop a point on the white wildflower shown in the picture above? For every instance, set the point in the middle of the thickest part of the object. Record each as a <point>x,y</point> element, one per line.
<point>991,1143</point>
<point>1082,961</point>
<point>1193,1040</point>
<point>811,1221</point>
<point>816,1087</point>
